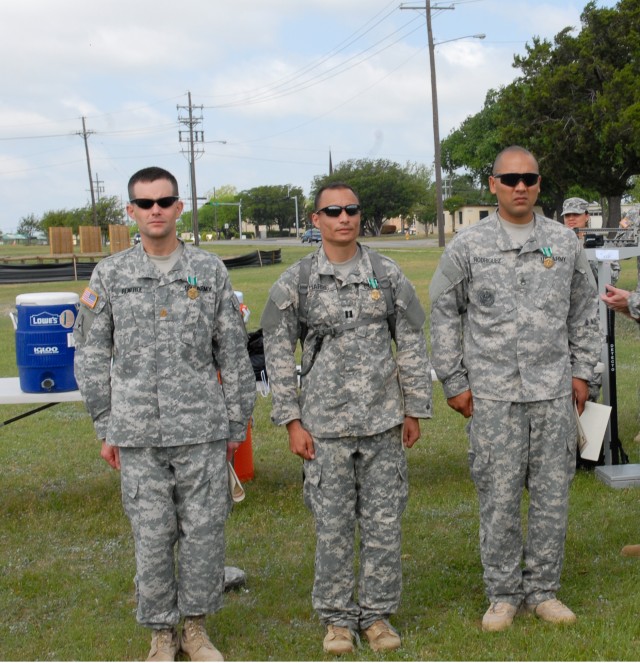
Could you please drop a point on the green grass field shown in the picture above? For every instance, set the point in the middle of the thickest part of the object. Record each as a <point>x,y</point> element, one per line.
<point>67,561</point>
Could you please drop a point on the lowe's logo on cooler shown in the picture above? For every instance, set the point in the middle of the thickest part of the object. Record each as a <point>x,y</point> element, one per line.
<point>44,319</point>
<point>45,350</point>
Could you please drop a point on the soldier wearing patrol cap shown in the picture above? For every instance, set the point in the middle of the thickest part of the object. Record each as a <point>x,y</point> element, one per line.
<point>157,325</point>
<point>514,341</point>
<point>575,213</point>
<point>575,207</point>
<point>357,408</point>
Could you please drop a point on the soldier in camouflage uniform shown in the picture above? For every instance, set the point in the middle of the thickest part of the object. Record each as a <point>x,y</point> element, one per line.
<point>156,324</point>
<point>514,341</point>
<point>356,409</point>
<point>575,214</point>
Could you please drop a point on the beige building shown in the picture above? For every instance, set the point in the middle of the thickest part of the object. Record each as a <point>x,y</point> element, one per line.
<point>468,215</point>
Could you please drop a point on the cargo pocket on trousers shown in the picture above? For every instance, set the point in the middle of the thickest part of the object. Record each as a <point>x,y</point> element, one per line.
<point>403,483</point>
<point>311,487</point>
<point>129,487</point>
<point>214,498</point>
<point>572,448</point>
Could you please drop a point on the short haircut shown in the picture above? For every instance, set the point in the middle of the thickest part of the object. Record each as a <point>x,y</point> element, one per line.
<point>330,187</point>
<point>152,174</point>
<point>509,150</point>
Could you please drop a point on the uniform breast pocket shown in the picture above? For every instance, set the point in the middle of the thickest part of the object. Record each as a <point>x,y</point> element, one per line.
<point>127,313</point>
<point>550,291</point>
<point>492,300</point>
<point>197,320</point>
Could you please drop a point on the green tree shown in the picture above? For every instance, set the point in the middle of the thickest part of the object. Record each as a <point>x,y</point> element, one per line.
<point>576,106</point>
<point>28,226</point>
<point>220,212</point>
<point>386,189</point>
<point>64,218</point>
<point>109,211</point>
<point>271,205</point>
<point>476,142</point>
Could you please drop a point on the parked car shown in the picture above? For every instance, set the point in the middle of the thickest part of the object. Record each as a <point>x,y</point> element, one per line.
<point>136,238</point>
<point>312,235</point>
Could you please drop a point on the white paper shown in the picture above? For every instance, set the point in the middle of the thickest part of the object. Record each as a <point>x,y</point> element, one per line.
<point>607,254</point>
<point>235,487</point>
<point>592,425</point>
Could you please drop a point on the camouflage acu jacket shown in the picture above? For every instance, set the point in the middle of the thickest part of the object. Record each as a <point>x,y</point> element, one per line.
<point>148,348</point>
<point>355,386</point>
<point>514,324</point>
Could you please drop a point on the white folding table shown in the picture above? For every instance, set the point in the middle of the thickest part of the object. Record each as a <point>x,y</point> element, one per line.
<point>11,394</point>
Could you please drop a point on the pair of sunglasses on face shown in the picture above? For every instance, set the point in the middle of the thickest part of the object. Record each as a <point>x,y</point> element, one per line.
<point>148,203</point>
<point>336,210</point>
<point>512,179</point>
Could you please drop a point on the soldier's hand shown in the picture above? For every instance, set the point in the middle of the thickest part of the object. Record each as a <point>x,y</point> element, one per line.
<point>616,299</point>
<point>300,440</point>
<point>580,393</point>
<point>232,447</point>
<point>462,403</point>
<point>410,431</point>
<point>111,455</point>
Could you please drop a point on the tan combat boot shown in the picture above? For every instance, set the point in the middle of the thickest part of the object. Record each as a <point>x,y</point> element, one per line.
<point>338,640</point>
<point>164,645</point>
<point>382,637</point>
<point>553,611</point>
<point>632,550</point>
<point>499,616</point>
<point>195,642</point>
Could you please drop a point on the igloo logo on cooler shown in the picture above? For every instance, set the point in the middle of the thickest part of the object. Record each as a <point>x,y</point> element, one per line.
<point>46,350</point>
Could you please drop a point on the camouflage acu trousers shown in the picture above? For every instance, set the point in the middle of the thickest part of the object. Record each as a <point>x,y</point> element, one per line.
<point>513,446</point>
<point>357,481</point>
<point>177,500</point>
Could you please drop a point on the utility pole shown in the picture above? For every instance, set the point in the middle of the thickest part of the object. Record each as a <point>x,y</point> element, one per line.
<point>84,133</point>
<point>192,136</point>
<point>437,157</point>
<point>99,187</point>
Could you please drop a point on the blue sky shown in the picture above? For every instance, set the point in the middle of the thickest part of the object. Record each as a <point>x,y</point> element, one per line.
<point>282,82</point>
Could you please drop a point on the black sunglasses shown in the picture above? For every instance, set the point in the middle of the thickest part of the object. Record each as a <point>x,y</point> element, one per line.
<point>148,203</point>
<point>512,179</point>
<point>336,210</point>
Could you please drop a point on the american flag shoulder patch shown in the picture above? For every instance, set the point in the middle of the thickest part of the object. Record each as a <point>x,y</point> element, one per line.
<point>89,298</point>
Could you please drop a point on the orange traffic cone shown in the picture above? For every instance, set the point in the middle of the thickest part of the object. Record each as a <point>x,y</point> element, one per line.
<point>243,458</point>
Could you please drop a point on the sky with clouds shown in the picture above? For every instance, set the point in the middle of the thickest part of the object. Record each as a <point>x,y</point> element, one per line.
<point>280,83</point>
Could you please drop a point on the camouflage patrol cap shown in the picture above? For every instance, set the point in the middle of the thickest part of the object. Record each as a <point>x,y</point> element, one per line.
<point>575,206</point>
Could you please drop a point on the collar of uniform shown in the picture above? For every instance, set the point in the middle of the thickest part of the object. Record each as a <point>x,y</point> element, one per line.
<point>538,237</point>
<point>325,267</point>
<point>505,242</point>
<point>146,269</point>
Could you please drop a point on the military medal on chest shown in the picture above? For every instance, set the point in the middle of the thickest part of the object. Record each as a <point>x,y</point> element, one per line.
<point>192,293</point>
<point>548,261</point>
<point>375,292</point>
